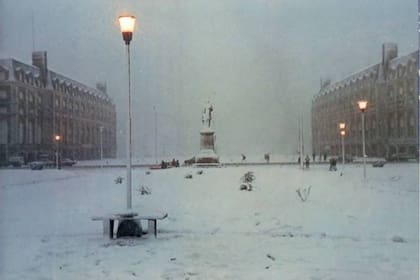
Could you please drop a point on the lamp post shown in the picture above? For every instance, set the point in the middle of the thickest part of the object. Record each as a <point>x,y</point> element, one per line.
<point>342,127</point>
<point>127,27</point>
<point>101,130</point>
<point>362,107</point>
<point>57,139</point>
<point>154,109</point>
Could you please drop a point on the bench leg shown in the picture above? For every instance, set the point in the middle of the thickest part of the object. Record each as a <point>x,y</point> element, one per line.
<point>111,229</point>
<point>152,226</point>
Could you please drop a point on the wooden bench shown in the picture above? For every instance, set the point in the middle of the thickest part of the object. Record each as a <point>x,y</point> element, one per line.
<point>108,221</point>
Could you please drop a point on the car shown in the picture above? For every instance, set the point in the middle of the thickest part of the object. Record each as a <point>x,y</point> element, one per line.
<point>379,163</point>
<point>16,161</point>
<point>68,162</point>
<point>401,157</point>
<point>37,165</point>
<point>347,158</point>
<point>41,164</point>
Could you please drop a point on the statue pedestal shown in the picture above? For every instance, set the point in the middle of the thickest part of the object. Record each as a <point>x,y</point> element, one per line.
<point>207,155</point>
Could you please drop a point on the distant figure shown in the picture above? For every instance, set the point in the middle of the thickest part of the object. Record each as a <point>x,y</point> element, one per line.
<point>173,163</point>
<point>243,157</point>
<point>313,157</point>
<point>267,157</point>
<point>307,162</point>
<point>163,165</point>
<point>325,157</point>
<point>298,160</point>
<point>333,164</point>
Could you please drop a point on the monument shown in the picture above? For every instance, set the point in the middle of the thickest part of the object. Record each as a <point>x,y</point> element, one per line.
<point>207,155</point>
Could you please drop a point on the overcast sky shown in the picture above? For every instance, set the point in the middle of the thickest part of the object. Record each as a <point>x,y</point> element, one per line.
<point>258,61</point>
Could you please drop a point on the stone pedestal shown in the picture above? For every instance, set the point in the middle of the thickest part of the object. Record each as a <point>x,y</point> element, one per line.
<point>207,155</point>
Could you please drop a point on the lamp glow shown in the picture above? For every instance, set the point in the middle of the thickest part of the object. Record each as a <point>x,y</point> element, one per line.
<point>362,105</point>
<point>127,24</point>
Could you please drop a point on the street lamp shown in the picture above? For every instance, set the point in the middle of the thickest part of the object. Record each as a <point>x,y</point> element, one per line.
<point>127,24</point>
<point>57,139</point>
<point>342,133</point>
<point>154,109</point>
<point>362,107</point>
<point>101,130</point>
<point>342,127</point>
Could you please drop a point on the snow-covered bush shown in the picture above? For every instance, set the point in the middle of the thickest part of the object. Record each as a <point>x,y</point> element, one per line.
<point>246,180</point>
<point>304,193</point>
<point>144,190</point>
<point>119,180</point>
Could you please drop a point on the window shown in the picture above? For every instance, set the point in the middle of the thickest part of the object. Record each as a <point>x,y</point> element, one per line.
<point>4,128</point>
<point>3,75</point>
<point>3,94</point>
<point>21,132</point>
<point>30,132</point>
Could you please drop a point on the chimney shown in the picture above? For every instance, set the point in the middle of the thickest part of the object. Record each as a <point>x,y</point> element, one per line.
<point>39,59</point>
<point>389,52</point>
<point>101,87</point>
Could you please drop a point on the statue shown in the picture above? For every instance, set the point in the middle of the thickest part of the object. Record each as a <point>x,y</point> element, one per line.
<point>206,117</point>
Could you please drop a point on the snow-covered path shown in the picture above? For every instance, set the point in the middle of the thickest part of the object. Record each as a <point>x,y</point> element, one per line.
<point>347,229</point>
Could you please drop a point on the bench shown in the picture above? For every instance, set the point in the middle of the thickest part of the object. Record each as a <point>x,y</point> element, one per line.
<point>108,221</point>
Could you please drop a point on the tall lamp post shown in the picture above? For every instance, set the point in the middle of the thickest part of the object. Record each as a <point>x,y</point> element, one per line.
<point>57,139</point>
<point>127,27</point>
<point>342,127</point>
<point>362,107</point>
<point>154,109</point>
<point>101,131</point>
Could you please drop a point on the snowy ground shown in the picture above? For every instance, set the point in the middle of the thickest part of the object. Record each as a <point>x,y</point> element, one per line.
<point>347,229</point>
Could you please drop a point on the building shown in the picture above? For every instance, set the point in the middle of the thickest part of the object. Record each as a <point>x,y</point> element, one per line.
<point>37,103</point>
<point>391,119</point>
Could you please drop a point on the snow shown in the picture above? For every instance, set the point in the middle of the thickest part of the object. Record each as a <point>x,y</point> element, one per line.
<point>347,229</point>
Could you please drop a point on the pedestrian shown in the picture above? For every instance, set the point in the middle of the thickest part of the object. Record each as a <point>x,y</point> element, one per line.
<point>313,157</point>
<point>307,162</point>
<point>333,164</point>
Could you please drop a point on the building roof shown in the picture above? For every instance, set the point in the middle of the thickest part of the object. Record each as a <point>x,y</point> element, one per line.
<point>12,66</point>
<point>366,72</point>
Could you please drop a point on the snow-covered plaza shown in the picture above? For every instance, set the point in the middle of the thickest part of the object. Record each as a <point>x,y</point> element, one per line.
<point>347,228</point>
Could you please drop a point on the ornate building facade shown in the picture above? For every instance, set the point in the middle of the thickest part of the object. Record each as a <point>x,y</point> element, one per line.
<point>37,103</point>
<point>391,119</point>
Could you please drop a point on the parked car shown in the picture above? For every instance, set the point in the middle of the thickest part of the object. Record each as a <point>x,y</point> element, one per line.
<point>379,163</point>
<point>41,164</point>
<point>68,162</point>
<point>401,157</point>
<point>16,161</point>
<point>347,158</point>
<point>37,165</point>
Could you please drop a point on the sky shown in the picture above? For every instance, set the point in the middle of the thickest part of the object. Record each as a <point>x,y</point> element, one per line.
<point>259,62</point>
